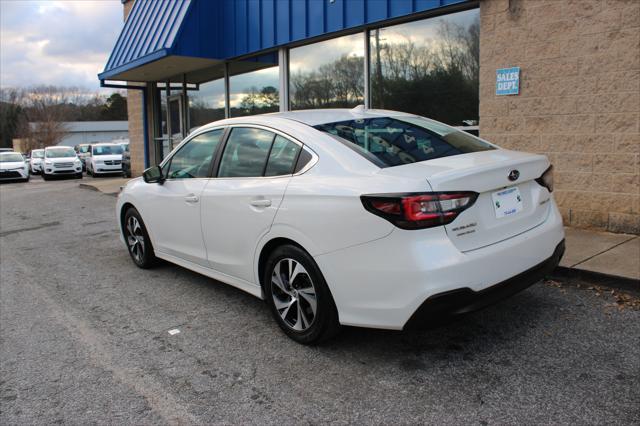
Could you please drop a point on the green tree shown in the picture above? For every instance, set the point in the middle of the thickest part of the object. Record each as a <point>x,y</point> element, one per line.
<point>115,108</point>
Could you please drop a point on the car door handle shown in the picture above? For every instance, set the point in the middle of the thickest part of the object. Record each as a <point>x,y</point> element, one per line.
<point>261,203</point>
<point>191,199</point>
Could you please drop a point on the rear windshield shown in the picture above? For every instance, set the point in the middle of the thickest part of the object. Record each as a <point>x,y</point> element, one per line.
<point>107,149</point>
<point>392,141</point>
<point>59,153</point>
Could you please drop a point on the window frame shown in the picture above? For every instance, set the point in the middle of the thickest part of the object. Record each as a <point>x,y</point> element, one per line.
<point>218,158</point>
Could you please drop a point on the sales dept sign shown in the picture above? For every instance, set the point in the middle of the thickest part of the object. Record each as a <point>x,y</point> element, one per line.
<point>508,81</point>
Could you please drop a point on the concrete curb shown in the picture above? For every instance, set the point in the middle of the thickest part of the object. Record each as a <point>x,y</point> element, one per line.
<point>615,282</point>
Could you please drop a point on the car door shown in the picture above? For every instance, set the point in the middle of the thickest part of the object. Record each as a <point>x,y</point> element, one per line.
<point>240,203</point>
<point>173,206</point>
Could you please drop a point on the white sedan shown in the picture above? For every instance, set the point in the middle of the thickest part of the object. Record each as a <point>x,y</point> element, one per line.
<point>355,217</point>
<point>13,166</point>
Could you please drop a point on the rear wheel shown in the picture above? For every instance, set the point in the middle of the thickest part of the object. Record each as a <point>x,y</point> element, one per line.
<point>137,238</point>
<point>299,297</point>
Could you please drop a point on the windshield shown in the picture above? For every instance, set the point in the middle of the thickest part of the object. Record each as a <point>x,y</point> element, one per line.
<point>10,157</point>
<point>59,153</point>
<point>82,149</point>
<point>107,149</point>
<point>37,154</point>
<point>394,141</point>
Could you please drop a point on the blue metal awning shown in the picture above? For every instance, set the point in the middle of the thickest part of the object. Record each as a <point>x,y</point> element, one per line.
<point>162,39</point>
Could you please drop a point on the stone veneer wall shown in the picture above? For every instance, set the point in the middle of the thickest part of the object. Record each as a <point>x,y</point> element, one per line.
<point>579,100</point>
<point>136,127</point>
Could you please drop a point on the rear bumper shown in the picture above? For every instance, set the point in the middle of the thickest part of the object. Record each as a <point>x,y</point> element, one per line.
<point>449,304</point>
<point>382,283</point>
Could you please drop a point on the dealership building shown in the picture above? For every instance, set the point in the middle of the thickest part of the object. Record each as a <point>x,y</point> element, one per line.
<point>558,77</point>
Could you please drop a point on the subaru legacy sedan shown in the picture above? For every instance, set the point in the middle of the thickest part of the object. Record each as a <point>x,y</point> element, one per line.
<point>354,217</point>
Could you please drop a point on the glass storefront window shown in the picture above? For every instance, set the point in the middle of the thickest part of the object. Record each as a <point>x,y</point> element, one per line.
<point>255,92</point>
<point>329,74</point>
<point>207,104</point>
<point>428,67</point>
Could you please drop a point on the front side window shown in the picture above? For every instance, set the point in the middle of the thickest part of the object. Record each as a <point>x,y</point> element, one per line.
<point>282,157</point>
<point>394,141</point>
<point>59,153</point>
<point>107,150</point>
<point>194,157</point>
<point>245,154</point>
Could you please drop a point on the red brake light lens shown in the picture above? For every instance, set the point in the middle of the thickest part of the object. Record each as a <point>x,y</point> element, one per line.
<point>417,211</point>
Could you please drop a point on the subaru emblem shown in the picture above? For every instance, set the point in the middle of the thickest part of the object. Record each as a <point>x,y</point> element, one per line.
<point>514,175</point>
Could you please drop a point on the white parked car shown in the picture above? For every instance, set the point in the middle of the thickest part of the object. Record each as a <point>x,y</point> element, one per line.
<point>83,152</point>
<point>356,217</point>
<point>61,161</point>
<point>104,158</point>
<point>35,162</point>
<point>13,166</point>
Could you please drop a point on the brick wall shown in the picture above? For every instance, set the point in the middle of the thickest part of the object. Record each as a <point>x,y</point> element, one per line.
<point>136,128</point>
<point>579,100</point>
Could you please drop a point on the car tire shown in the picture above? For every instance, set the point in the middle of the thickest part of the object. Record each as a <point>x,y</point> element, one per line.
<point>26,179</point>
<point>291,302</point>
<point>44,176</point>
<point>137,238</point>
<point>79,175</point>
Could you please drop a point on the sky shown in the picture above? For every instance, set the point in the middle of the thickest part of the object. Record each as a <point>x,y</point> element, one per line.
<point>62,43</point>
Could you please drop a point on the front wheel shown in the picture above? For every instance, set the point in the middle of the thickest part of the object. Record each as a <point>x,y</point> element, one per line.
<point>137,238</point>
<point>299,297</point>
<point>44,176</point>
<point>79,175</point>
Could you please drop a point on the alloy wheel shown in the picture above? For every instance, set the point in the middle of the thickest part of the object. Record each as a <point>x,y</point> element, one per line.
<point>294,294</point>
<point>135,239</point>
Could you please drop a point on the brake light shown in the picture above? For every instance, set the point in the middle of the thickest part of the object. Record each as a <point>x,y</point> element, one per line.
<point>418,211</point>
<point>546,179</point>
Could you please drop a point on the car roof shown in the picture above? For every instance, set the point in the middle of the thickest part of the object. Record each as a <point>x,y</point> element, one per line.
<point>10,152</point>
<point>314,117</point>
<point>58,147</point>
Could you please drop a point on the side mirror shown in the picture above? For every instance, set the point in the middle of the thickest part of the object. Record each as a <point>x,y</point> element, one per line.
<point>153,175</point>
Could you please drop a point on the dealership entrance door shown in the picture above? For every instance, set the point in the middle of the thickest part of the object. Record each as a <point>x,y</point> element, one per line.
<point>171,123</point>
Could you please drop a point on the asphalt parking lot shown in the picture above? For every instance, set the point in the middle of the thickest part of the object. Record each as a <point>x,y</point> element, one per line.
<point>84,339</point>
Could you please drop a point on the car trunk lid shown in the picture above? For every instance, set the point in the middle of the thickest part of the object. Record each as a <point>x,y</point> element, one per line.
<point>504,207</point>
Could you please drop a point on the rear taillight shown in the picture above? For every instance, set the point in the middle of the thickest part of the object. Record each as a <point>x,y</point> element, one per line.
<point>546,179</point>
<point>417,211</point>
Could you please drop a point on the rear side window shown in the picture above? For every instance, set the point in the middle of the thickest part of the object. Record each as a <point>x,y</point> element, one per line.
<point>246,152</point>
<point>282,157</point>
<point>391,141</point>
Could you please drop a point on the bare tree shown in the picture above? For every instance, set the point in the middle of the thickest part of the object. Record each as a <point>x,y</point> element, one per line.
<point>44,108</point>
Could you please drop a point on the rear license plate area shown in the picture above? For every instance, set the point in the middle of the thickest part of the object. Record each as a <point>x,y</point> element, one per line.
<point>507,202</point>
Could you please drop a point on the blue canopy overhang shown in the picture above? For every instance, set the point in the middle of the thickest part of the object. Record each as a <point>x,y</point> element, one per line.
<point>172,40</point>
